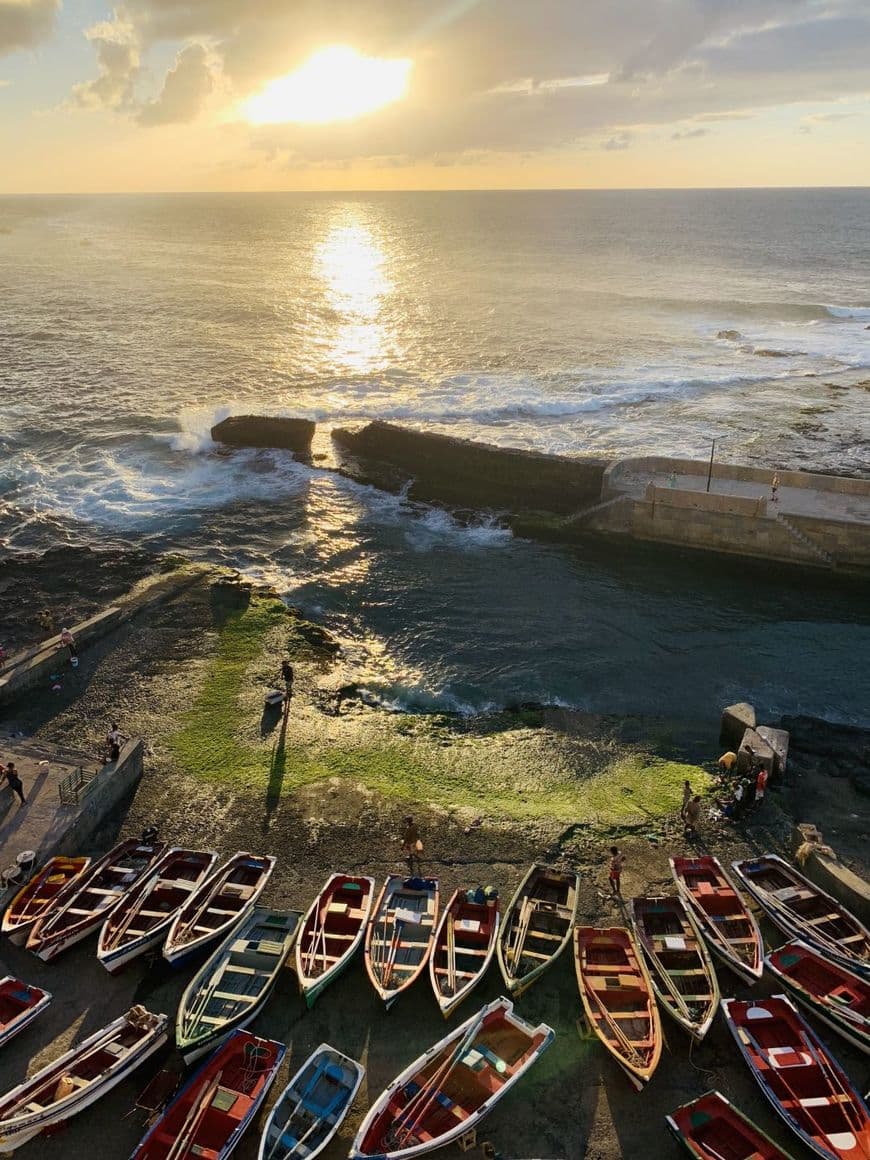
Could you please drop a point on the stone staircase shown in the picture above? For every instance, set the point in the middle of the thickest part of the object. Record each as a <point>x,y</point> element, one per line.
<point>796,534</point>
<point>585,513</point>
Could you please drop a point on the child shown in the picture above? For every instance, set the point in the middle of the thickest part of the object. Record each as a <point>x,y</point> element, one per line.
<point>412,845</point>
<point>617,861</point>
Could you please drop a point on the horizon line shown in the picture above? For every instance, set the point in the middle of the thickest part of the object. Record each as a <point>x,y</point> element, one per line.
<point>424,189</point>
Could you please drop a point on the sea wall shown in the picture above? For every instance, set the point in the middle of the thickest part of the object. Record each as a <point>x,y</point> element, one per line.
<point>99,800</point>
<point>466,474</point>
<point>652,464</point>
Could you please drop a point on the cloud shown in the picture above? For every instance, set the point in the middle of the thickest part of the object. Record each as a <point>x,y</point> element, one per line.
<point>186,87</point>
<point>687,134</point>
<point>118,63</point>
<point>24,23</point>
<point>501,77</point>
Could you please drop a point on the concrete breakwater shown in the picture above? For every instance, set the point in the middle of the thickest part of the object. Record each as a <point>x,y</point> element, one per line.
<point>814,520</point>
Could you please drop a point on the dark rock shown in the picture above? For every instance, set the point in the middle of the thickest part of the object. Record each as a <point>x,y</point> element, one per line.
<point>316,636</point>
<point>736,719</point>
<point>732,334</point>
<point>837,750</point>
<point>463,473</point>
<point>265,431</point>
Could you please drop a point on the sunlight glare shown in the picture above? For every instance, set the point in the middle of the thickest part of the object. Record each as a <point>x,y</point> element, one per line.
<point>336,84</point>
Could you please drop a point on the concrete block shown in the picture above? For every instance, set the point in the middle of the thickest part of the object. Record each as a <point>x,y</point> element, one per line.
<point>754,750</point>
<point>736,719</point>
<point>777,739</point>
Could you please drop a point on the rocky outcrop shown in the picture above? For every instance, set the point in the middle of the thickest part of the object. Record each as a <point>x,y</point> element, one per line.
<point>736,719</point>
<point>265,431</point>
<point>838,750</point>
<point>463,473</point>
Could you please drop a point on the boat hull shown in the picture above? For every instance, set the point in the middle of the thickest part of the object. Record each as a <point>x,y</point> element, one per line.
<point>538,895</point>
<point>19,1022</point>
<point>72,869</point>
<point>416,908</point>
<point>339,891</point>
<point>711,1123</point>
<point>854,1029</point>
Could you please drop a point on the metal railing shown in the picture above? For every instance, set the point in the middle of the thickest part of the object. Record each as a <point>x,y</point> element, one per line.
<point>72,787</point>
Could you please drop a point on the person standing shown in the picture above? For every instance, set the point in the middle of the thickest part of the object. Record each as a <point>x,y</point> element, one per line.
<point>760,785</point>
<point>617,862</point>
<point>687,797</point>
<point>412,843</point>
<point>774,488</point>
<point>693,817</point>
<point>287,676</point>
<point>114,741</point>
<point>14,781</point>
<point>69,641</point>
<point>727,761</point>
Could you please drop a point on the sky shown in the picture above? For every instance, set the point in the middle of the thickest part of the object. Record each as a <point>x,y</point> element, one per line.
<point>160,95</point>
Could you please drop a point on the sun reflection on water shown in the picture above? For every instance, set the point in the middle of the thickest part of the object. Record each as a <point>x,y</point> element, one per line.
<point>351,266</point>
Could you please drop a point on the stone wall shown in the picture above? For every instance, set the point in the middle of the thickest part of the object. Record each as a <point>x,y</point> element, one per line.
<point>650,464</point>
<point>101,798</point>
<point>675,497</point>
<point>847,542</point>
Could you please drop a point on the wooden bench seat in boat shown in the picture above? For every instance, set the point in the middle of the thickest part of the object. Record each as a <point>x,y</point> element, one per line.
<point>822,918</point>
<point>234,996</point>
<point>532,933</point>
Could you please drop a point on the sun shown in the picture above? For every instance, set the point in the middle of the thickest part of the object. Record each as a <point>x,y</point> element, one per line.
<point>336,84</point>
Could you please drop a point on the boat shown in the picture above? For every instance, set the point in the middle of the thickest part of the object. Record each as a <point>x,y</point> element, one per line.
<point>800,1077</point>
<point>400,933</point>
<point>232,987</point>
<point>210,1114</point>
<point>312,1106</point>
<point>464,946</point>
<point>90,899</point>
<point>721,914</point>
<point>139,923</point>
<point>80,1077</point>
<point>804,911</point>
<point>839,998</point>
<point>444,1095</point>
<point>332,932</point>
<point>618,999</point>
<point>713,1129</point>
<point>679,964</point>
<point>19,1006</point>
<point>39,895</point>
<point>217,905</point>
<point>537,926</point>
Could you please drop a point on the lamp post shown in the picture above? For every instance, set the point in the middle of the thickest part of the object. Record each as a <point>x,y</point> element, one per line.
<point>718,439</point>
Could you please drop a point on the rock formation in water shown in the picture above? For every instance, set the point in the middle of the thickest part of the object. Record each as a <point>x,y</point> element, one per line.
<point>462,473</point>
<point>263,431</point>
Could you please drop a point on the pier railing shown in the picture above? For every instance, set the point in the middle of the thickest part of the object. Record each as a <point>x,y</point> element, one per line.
<point>71,789</point>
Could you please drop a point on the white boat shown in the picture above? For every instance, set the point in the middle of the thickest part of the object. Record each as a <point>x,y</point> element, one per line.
<point>219,904</point>
<point>332,931</point>
<point>89,900</point>
<point>443,1095</point>
<point>312,1106</point>
<point>230,990</point>
<point>77,1079</point>
<point>464,947</point>
<point>400,934</point>
<point>140,922</point>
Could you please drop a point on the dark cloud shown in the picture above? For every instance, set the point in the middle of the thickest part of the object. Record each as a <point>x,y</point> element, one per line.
<point>24,23</point>
<point>186,87</point>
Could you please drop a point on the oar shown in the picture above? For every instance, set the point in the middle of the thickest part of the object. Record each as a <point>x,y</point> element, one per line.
<point>821,1062</point>
<point>451,956</point>
<point>515,949</point>
<point>398,931</point>
<point>194,1118</point>
<point>629,1047</point>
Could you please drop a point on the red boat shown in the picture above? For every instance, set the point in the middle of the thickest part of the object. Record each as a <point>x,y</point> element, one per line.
<point>19,1005</point>
<point>835,995</point>
<point>209,1115</point>
<point>800,1077</point>
<point>37,897</point>
<point>713,1129</point>
<point>723,918</point>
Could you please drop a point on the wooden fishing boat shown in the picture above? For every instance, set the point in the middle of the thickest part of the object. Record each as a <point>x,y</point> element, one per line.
<point>679,965</point>
<point>713,1129</point>
<point>85,1073</point>
<point>209,1115</point>
<point>312,1106</point>
<point>838,997</point>
<point>79,910</point>
<point>217,905</point>
<point>803,911</point>
<point>537,926</point>
<point>139,923</point>
<point>19,1006</point>
<point>231,989</point>
<point>39,895</point>
<point>722,916</point>
<point>447,1091</point>
<point>400,933</point>
<point>618,999</point>
<point>332,931</point>
<point>799,1076</point>
<point>464,946</point>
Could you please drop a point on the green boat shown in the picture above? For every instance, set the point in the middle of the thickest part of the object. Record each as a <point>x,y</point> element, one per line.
<point>230,990</point>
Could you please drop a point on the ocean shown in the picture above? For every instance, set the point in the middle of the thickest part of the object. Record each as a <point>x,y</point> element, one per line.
<point>605,323</point>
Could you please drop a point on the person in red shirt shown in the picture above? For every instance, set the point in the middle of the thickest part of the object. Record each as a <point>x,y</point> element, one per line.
<point>760,786</point>
<point>617,861</point>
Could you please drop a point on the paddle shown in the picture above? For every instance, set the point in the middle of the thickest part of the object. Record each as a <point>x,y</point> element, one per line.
<point>450,989</point>
<point>193,1120</point>
<point>514,951</point>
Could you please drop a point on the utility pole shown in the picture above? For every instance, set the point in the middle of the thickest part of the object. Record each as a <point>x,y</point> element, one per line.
<point>710,468</point>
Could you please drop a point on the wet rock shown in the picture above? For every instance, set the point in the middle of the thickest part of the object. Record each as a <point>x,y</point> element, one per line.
<point>316,636</point>
<point>460,472</point>
<point>732,334</point>
<point>736,719</point>
<point>837,750</point>
<point>265,431</point>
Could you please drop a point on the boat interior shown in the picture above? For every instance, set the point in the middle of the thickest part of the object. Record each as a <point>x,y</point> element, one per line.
<point>473,925</point>
<point>309,1110</point>
<point>323,944</point>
